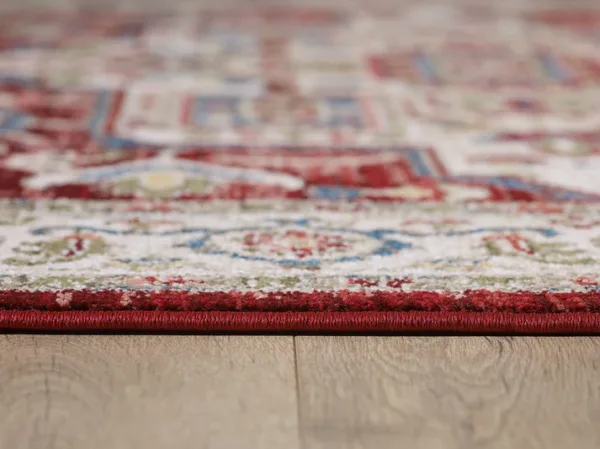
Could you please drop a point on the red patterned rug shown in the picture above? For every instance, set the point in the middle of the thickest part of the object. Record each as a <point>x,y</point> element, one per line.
<point>332,166</point>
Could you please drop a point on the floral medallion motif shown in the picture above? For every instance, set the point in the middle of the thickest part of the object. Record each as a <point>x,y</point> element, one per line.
<point>300,243</point>
<point>522,245</point>
<point>69,248</point>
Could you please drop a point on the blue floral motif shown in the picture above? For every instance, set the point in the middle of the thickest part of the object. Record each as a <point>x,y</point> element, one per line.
<point>328,244</point>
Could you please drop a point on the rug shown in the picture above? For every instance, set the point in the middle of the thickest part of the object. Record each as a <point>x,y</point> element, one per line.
<point>362,166</point>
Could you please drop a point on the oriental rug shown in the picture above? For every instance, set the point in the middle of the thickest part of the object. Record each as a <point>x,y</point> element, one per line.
<point>358,166</point>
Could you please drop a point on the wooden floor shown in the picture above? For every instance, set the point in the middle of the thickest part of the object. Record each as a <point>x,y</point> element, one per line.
<point>312,392</point>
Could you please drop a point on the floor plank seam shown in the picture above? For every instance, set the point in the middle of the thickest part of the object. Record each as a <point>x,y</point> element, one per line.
<point>301,442</point>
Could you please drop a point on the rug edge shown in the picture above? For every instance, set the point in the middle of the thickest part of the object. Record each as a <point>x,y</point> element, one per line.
<point>300,322</point>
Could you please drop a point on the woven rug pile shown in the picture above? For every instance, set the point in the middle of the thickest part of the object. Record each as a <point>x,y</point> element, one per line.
<point>329,166</point>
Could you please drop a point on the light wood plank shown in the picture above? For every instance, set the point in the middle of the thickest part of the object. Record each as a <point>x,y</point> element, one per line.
<point>147,392</point>
<point>449,392</point>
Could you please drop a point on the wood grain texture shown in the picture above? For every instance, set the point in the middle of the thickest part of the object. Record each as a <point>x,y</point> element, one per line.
<point>449,392</point>
<point>147,392</point>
